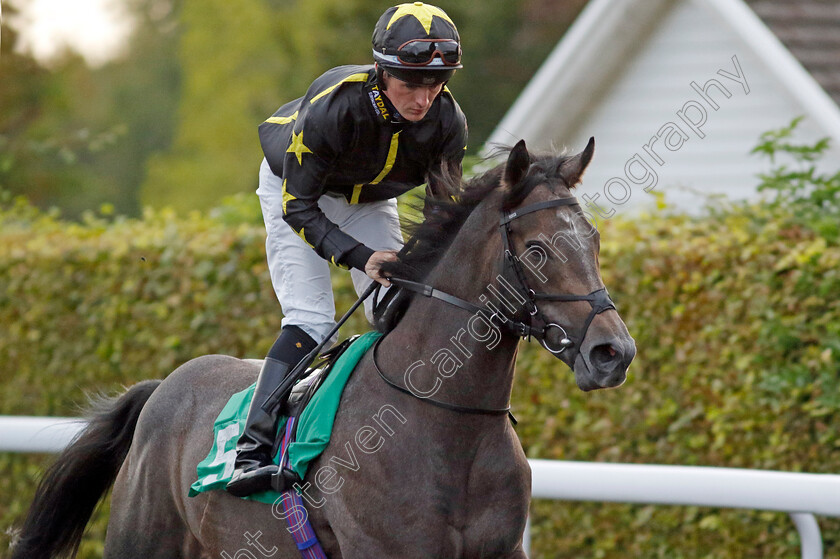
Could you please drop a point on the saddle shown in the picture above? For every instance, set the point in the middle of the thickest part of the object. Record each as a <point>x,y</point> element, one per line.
<point>387,313</point>
<point>300,396</point>
<point>306,387</point>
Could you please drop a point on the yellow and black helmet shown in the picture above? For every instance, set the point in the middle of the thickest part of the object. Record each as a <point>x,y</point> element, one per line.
<point>417,43</point>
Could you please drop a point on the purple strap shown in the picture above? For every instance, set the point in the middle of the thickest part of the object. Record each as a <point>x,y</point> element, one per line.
<point>300,528</point>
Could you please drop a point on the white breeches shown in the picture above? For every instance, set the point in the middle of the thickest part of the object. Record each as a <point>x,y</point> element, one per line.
<point>300,277</point>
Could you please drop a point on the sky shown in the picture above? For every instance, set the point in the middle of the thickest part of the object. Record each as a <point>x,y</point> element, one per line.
<point>94,28</point>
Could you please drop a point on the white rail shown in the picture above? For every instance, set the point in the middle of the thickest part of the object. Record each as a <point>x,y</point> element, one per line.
<point>37,434</point>
<point>687,485</point>
<point>800,495</point>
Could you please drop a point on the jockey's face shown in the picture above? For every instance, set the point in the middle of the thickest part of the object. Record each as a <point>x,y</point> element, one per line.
<point>412,101</point>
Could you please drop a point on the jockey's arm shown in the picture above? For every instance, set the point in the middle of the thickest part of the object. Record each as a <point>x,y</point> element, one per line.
<point>331,243</point>
<point>303,186</point>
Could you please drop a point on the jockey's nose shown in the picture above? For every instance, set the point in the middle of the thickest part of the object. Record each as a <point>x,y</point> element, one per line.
<point>423,97</point>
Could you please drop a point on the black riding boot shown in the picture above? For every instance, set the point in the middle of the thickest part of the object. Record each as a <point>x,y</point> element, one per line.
<point>254,466</point>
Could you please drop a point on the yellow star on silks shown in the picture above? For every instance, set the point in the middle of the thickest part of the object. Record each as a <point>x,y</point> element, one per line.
<point>423,12</point>
<point>287,197</point>
<point>297,147</point>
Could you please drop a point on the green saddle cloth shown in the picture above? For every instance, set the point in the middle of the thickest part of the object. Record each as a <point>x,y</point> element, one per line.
<point>313,430</point>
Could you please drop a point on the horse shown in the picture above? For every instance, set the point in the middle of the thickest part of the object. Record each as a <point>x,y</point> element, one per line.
<point>423,460</point>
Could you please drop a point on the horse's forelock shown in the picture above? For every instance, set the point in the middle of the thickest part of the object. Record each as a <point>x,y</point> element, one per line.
<point>544,169</point>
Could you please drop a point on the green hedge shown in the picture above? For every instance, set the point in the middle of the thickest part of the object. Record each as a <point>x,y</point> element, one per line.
<point>735,315</point>
<point>737,324</point>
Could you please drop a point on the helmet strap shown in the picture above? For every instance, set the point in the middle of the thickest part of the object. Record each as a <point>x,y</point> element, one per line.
<point>380,77</point>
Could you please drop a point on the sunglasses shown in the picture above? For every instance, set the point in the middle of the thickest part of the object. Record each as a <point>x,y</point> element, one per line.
<point>422,52</point>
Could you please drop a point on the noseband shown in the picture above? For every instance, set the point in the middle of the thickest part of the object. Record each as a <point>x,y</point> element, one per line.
<point>535,325</point>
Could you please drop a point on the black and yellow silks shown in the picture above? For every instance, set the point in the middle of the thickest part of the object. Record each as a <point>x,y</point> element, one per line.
<point>344,138</point>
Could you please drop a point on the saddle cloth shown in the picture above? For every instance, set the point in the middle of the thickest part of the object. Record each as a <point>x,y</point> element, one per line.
<point>314,426</point>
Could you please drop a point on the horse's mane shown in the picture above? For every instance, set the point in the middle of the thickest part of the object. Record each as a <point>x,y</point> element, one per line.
<point>429,239</point>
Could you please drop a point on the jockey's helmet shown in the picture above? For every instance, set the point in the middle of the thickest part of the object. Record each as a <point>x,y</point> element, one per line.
<point>416,43</point>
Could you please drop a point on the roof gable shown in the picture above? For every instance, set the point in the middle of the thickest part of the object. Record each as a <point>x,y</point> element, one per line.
<point>608,34</point>
<point>629,70</point>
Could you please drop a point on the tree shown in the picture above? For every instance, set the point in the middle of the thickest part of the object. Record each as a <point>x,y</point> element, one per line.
<point>35,160</point>
<point>240,60</point>
<point>76,137</point>
<point>138,98</point>
<point>231,62</point>
<point>504,42</point>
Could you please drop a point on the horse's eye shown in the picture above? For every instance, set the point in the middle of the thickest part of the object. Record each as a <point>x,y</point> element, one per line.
<point>541,247</point>
<point>535,243</point>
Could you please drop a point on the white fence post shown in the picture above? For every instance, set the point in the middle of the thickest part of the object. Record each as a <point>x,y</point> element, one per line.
<point>809,535</point>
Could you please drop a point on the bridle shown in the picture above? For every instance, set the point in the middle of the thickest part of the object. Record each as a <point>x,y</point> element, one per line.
<point>535,324</point>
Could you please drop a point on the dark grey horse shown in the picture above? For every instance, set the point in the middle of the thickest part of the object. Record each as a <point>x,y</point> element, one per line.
<point>401,478</point>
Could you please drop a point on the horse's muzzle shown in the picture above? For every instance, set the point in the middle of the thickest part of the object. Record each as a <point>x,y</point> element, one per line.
<point>604,364</point>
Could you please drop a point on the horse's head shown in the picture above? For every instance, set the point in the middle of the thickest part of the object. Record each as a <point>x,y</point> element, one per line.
<point>547,282</point>
<point>552,254</point>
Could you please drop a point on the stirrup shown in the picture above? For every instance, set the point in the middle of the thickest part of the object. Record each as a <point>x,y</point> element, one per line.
<point>246,483</point>
<point>284,479</point>
<point>265,478</point>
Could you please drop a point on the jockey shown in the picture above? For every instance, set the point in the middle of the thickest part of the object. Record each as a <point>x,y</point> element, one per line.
<point>335,161</point>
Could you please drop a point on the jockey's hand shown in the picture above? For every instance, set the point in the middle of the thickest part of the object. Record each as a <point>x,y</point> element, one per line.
<point>374,263</point>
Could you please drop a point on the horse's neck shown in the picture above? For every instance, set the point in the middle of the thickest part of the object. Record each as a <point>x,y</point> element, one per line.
<point>439,344</point>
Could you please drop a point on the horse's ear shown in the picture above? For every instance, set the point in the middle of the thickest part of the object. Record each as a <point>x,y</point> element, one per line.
<point>517,164</point>
<point>573,168</point>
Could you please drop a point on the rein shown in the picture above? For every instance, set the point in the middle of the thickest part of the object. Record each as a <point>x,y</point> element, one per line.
<point>536,325</point>
<point>438,403</point>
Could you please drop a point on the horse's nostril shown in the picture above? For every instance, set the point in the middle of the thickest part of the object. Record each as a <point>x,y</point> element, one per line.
<point>604,356</point>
